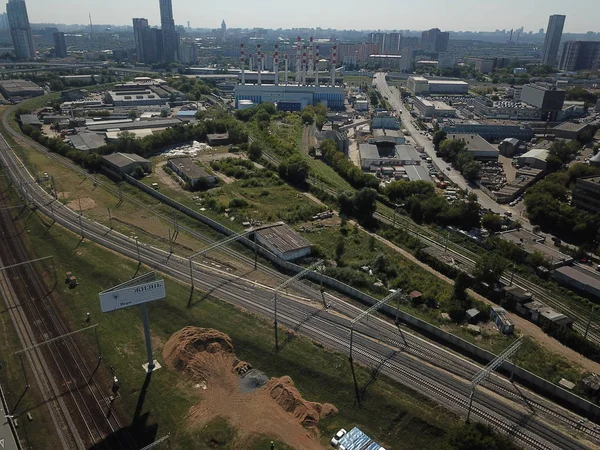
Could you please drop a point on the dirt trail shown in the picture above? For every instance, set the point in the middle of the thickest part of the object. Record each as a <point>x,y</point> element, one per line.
<point>524,326</point>
<point>275,410</point>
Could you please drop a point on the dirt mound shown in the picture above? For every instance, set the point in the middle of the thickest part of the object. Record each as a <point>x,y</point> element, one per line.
<point>283,391</point>
<point>238,393</point>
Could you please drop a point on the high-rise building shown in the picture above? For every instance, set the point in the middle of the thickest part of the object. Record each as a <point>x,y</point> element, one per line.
<point>60,46</point>
<point>20,29</point>
<point>223,28</point>
<point>553,37</point>
<point>580,55</point>
<point>170,36</point>
<point>148,42</point>
<point>188,52</point>
<point>4,22</point>
<point>435,40</point>
<point>387,43</point>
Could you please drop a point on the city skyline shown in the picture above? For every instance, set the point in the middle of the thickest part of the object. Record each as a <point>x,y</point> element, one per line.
<point>390,15</point>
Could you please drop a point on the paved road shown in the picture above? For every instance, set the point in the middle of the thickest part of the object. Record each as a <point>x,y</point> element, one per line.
<point>393,97</point>
<point>422,366</point>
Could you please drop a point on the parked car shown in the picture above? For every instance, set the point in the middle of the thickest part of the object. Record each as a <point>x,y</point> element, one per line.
<point>335,440</point>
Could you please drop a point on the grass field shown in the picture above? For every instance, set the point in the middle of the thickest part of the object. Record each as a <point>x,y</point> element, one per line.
<point>390,412</point>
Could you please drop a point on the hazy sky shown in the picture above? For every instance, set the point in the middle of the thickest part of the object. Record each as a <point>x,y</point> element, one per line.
<point>457,15</point>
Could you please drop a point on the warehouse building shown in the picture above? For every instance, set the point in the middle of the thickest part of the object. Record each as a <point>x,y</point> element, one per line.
<point>31,120</point>
<point>570,130</point>
<point>290,97</point>
<point>396,135</point>
<point>128,125</point>
<point>125,163</point>
<point>535,158</point>
<point>87,141</point>
<point>423,86</point>
<point>132,98</point>
<point>385,152</point>
<point>284,242</point>
<point>16,89</point>
<point>477,146</point>
<point>583,280</point>
<point>429,109</point>
<point>218,139</point>
<point>490,130</point>
<point>190,172</point>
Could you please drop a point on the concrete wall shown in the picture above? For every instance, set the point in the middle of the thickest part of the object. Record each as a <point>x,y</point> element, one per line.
<point>568,399</point>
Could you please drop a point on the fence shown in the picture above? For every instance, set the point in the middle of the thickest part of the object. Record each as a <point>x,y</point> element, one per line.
<point>579,404</point>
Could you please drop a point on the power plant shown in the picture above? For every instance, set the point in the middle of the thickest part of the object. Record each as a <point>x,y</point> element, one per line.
<point>308,88</point>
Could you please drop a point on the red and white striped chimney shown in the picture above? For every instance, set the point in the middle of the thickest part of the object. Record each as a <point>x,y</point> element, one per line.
<point>276,65</point>
<point>298,60</point>
<point>311,57</point>
<point>318,57</point>
<point>333,64</point>
<point>259,64</point>
<point>286,58</point>
<point>243,63</point>
<point>304,67</point>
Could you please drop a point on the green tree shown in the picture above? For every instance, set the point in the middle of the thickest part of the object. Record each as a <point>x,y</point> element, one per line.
<point>478,436</point>
<point>294,170</point>
<point>492,222</point>
<point>489,269</point>
<point>254,152</point>
<point>438,137</point>
<point>340,248</point>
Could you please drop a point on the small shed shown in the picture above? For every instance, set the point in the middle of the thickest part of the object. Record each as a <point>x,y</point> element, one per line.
<point>416,297</point>
<point>591,384</point>
<point>218,139</point>
<point>472,315</point>
<point>500,318</point>
<point>517,294</point>
<point>473,329</point>
<point>126,163</point>
<point>284,242</point>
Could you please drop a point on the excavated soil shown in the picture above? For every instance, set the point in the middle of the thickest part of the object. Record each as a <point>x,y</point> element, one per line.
<point>275,409</point>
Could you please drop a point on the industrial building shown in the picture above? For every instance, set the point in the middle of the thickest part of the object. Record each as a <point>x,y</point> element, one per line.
<point>128,125</point>
<point>385,121</point>
<point>191,172</point>
<point>547,97</point>
<point>535,158</point>
<point>583,280</point>
<point>31,120</point>
<point>284,242</point>
<point>532,243</point>
<point>505,109</point>
<point>125,163</point>
<point>570,130</point>
<point>510,146</point>
<point>423,86</point>
<point>385,152</point>
<point>587,193</point>
<point>396,135</point>
<point>386,61</point>
<point>16,89</point>
<point>477,146</point>
<point>87,141</point>
<point>291,97</point>
<point>429,109</point>
<point>217,139</point>
<point>136,97</point>
<point>490,130</point>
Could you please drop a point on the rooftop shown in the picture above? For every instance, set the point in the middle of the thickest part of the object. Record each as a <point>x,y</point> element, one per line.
<point>283,238</point>
<point>124,159</point>
<point>456,82</point>
<point>87,141</point>
<point>586,277</point>
<point>474,142</point>
<point>30,119</point>
<point>537,153</point>
<point>189,168</point>
<point>570,126</point>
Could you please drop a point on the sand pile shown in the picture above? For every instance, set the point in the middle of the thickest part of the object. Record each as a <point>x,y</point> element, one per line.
<point>283,391</point>
<point>240,394</point>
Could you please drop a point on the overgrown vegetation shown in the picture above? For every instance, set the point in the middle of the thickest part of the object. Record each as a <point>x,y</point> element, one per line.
<point>342,165</point>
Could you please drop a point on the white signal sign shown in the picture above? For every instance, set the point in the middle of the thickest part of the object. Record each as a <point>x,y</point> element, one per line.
<point>113,300</point>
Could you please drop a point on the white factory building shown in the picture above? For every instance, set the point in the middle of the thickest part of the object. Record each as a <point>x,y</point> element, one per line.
<point>304,91</point>
<point>290,97</point>
<point>428,109</point>
<point>422,86</point>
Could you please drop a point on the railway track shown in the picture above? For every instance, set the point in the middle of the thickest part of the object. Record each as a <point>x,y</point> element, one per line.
<point>223,286</point>
<point>75,375</point>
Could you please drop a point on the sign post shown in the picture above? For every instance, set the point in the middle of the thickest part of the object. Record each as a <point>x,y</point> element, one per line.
<point>136,292</point>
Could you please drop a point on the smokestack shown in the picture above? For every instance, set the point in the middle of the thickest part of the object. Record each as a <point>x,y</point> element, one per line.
<point>243,63</point>
<point>286,67</point>
<point>304,67</point>
<point>259,64</point>
<point>317,67</point>
<point>298,61</point>
<point>276,65</point>
<point>333,64</point>
<point>311,57</point>
<point>251,61</point>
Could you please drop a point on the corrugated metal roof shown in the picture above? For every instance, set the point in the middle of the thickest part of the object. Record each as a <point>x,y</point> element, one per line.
<point>283,238</point>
